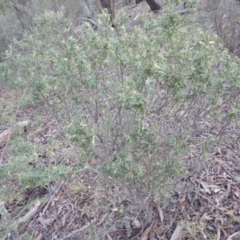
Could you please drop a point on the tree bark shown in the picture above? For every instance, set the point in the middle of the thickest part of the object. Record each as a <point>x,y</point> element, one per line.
<point>154,6</point>
<point>84,9</point>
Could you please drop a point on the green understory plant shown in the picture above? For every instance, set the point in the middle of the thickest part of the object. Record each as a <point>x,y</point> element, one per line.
<point>135,100</point>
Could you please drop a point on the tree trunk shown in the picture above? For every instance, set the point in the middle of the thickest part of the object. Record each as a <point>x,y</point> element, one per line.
<point>84,9</point>
<point>154,6</point>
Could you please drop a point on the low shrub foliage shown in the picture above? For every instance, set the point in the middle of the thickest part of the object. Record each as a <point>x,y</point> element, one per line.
<point>135,99</point>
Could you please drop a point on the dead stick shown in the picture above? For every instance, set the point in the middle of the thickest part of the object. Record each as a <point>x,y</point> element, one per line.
<point>78,230</point>
<point>178,231</point>
<point>50,200</point>
<point>231,237</point>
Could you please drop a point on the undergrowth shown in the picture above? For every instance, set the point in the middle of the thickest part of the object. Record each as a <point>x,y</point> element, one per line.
<point>134,100</point>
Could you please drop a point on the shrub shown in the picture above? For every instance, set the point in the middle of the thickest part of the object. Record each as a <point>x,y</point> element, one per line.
<point>16,16</point>
<point>223,16</point>
<point>135,100</point>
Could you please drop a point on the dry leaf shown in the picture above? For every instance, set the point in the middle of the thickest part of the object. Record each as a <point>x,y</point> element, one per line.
<point>206,218</point>
<point>230,213</point>
<point>39,237</point>
<point>145,234</point>
<point>160,212</point>
<point>219,197</point>
<point>136,223</point>
<point>65,216</point>
<point>4,136</point>
<point>102,219</point>
<point>184,201</point>
<point>204,185</point>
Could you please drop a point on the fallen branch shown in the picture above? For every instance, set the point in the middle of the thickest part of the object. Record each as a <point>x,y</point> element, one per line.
<point>5,136</point>
<point>178,231</point>
<point>25,218</point>
<point>31,212</point>
<point>50,200</point>
<point>3,212</point>
<point>233,235</point>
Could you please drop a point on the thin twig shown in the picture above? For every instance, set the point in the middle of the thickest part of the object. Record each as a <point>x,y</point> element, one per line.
<point>78,230</point>
<point>206,199</point>
<point>50,200</point>
<point>31,212</point>
<point>231,236</point>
